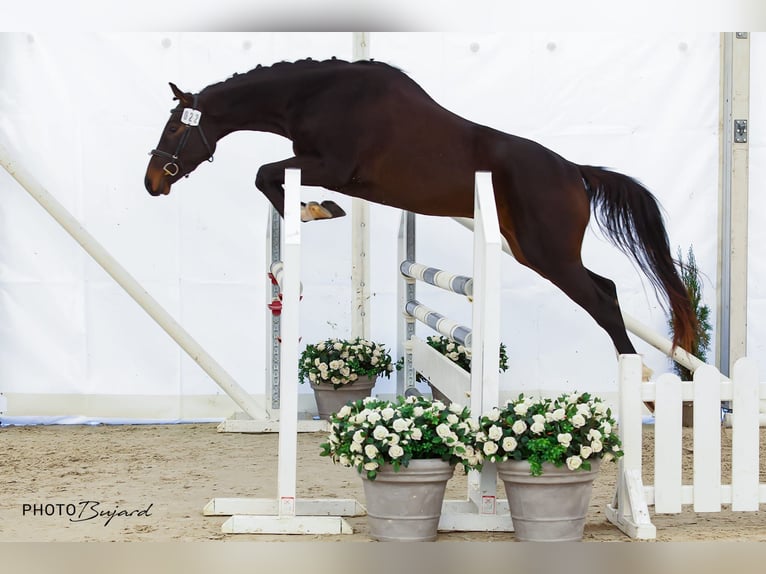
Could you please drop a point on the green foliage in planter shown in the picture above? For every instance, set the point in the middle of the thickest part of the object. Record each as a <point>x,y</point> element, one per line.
<point>690,275</point>
<point>457,353</point>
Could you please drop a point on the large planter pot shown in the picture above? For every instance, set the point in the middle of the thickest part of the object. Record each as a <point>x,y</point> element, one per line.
<point>551,507</point>
<point>330,400</point>
<point>406,506</point>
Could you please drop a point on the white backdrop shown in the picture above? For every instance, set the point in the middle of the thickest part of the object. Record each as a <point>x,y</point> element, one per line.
<point>82,112</point>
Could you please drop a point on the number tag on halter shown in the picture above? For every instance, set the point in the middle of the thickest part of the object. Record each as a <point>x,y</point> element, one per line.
<point>191,117</point>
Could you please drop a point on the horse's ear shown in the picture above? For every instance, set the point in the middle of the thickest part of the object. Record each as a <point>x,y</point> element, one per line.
<point>185,98</point>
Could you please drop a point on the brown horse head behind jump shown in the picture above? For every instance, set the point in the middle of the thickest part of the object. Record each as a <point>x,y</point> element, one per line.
<point>366,130</point>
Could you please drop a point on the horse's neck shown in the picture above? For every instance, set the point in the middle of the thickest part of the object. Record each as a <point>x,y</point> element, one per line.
<point>259,104</point>
<point>250,107</point>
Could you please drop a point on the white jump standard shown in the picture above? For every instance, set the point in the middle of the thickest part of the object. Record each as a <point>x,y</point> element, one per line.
<point>287,514</point>
<point>481,510</point>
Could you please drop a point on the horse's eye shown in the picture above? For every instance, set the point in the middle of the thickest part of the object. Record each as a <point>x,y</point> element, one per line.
<point>172,129</point>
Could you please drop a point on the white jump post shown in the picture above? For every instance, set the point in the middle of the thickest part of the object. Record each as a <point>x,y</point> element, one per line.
<point>287,514</point>
<point>629,510</point>
<point>125,280</point>
<point>481,510</point>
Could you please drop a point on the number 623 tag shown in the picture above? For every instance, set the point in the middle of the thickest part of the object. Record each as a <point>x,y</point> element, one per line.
<point>191,117</point>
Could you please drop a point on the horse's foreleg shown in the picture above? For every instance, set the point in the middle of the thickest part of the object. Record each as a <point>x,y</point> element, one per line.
<point>270,181</point>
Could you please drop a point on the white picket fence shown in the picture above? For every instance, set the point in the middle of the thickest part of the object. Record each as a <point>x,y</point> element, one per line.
<point>668,494</point>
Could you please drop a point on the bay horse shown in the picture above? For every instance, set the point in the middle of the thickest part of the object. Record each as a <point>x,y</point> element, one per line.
<point>365,129</point>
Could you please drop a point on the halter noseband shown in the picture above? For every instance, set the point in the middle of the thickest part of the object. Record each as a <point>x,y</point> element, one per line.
<point>190,117</point>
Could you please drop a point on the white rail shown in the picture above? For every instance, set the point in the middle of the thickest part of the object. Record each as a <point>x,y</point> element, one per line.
<point>125,280</point>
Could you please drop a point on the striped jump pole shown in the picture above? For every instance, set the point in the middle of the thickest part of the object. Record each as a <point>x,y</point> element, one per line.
<point>276,273</point>
<point>459,284</point>
<point>439,323</point>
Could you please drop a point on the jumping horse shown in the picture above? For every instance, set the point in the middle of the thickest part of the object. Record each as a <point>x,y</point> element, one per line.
<point>367,130</point>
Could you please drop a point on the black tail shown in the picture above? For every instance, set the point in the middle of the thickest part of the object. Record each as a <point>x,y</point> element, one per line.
<point>629,215</point>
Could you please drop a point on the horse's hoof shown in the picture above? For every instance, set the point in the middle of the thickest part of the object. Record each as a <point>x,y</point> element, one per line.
<point>326,210</point>
<point>333,208</point>
<point>312,210</point>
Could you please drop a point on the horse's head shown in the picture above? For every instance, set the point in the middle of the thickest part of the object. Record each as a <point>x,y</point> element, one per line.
<point>184,144</point>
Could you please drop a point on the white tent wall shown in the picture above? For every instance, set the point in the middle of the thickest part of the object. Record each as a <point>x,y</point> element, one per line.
<point>84,110</point>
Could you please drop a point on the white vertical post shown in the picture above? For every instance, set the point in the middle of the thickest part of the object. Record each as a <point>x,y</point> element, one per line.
<point>629,510</point>
<point>745,436</point>
<point>630,368</point>
<point>485,346</point>
<point>286,514</point>
<point>667,444</point>
<point>288,416</point>
<point>485,380</point>
<point>732,230</point>
<point>360,234</point>
<point>707,440</point>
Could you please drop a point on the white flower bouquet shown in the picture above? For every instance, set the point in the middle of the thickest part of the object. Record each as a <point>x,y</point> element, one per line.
<point>370,433</point>
<point>341,362</point>
<point>572,429</point>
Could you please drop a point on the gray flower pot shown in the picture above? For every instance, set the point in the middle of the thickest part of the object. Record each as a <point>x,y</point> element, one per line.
<point>551,507</point>
<point>406,506</point>
<point>330,400</point>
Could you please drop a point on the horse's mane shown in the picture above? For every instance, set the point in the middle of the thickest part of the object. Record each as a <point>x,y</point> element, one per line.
<point>299,65</point>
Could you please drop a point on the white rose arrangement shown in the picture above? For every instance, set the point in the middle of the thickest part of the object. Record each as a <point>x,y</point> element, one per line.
<point>570,430</point>
<point>369,433</point>
<point>341,362</point>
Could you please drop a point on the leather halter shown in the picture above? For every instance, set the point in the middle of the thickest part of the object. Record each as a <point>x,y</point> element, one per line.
<point>172,167</point>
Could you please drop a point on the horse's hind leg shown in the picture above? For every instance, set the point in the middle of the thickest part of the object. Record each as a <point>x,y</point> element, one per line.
<point>596,294</point>
<point>608,287</point>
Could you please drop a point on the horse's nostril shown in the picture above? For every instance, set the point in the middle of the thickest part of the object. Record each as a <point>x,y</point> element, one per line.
<point>150,186</point>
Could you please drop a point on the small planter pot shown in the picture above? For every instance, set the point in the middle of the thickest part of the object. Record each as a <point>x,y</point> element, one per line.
<point>406,506</point>
<point>551,507</point>
<point>330,400</point>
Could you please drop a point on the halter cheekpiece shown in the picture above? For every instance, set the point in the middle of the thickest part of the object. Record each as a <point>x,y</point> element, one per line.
<point>190,117</point>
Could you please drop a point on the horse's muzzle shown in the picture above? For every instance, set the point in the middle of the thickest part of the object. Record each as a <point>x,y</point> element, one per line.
<point>158,187</point>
